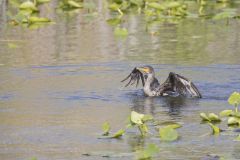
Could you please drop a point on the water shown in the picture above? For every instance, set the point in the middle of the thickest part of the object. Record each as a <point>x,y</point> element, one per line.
<point>61,82</point>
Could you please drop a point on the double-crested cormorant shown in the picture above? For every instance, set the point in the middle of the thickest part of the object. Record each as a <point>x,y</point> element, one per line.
<point>175,85</point>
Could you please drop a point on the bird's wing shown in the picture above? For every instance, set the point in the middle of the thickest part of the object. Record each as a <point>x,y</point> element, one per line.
<point>155,85</point>
<point>176,83</point>
<point>134,76</point>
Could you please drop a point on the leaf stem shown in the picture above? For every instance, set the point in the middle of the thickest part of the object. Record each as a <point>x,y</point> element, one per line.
<point>236,108</point>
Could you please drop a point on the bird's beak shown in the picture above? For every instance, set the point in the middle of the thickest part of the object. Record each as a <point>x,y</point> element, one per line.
<point>143,69</point>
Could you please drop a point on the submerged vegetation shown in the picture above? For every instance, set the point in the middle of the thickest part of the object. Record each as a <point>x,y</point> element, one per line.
<point>166,132</point>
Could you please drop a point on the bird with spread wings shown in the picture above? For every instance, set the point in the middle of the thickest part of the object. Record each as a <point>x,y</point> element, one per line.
<point>175,85</point>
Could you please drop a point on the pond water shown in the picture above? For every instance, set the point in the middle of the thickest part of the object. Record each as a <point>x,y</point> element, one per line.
<point>61,82</point>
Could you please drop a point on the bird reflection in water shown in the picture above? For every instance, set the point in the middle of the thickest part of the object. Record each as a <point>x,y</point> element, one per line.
<point>152,105</point>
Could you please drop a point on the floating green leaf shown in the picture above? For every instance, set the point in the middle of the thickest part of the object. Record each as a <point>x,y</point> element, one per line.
<point>204,117</point>
<point>156,6</point>
<point>147,153</point>
<point>136,118</point>
<point>224,15</point>
<point>215,129</point>
<point>42,1</point>
<point>226,113</point>
<point>168,134</point>
<point>174,126</point>
<point>118,134</point>
<point>28,5</point>
<point>233,121</point>
<point>114,6</point>
<point>173,4</point>
<point>74,4</point>
<point>213,117</point>
<point>169,123</point>
<point>234,99</point>
<point>106,128</point>
<point>137,2</point>
<point>236,114</point>
<point>34,19</point>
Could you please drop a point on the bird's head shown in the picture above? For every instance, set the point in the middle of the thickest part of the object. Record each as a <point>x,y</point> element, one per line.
<point>146,70</point>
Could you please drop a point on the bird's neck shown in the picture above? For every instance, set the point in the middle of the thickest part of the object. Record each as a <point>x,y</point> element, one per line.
<point>149,79</point>
<point>147,88</point>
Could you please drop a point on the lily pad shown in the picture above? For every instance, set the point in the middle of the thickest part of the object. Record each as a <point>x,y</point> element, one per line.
<point>226,113</point>
<point>114,6</point>
<point>174,126</point>
<point>156,5</point>
<point>168,123</point>
<point>106,128</point>
<point>213,117</point>
<point>28,5</point>
<point>74,4</point>
<point>204,117</point>
<point>34,19</point>
<point>233,121</point>
<point>168,134</point>
<point>147,153</point>
<point>234,99</point>
<point>236,114</point>
<point>43,1</point>
<point>118,134</point>
<point>136,118</point>
<point>224,15</point>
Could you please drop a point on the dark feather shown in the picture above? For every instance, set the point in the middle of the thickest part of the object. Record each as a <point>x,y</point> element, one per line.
<point>179,84</point>
<point>134,76</point>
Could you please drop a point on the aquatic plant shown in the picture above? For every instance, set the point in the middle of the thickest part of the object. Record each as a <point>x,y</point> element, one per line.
<point>168,11</point>
<point>234,100</point>
<point>138,120</point>
<point>233,117</point>
<point>148,152</point>
<point>106,131</point>
<point>27,14</point>
<point>215,129</point>
<point>153,11</point>
<point>106,128</point>
<point>211,117</point>
<point>70,4</point>
<point>168,133</point>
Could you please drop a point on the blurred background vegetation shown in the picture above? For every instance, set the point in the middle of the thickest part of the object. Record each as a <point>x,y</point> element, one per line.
<point>29,13</point>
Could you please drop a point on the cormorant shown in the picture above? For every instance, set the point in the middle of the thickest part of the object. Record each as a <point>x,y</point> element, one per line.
<point>175,85</point>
